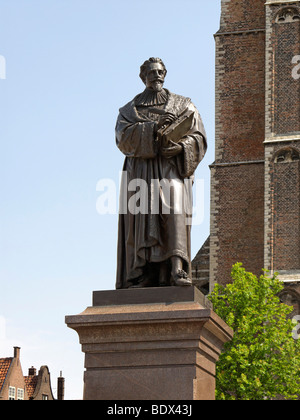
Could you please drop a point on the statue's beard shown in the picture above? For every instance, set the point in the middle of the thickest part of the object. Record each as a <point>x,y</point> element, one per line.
<point>157,86</point>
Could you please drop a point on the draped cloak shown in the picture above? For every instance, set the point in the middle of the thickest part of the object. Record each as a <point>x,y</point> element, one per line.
<point>151,229</point>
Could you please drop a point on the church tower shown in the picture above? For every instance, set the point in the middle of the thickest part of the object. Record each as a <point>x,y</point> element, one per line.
<point>255,178</point>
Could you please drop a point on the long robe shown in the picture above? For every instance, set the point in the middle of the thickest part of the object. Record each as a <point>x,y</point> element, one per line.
<point>151,229</point>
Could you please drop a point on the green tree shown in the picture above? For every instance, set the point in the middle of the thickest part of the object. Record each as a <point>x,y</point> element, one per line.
<point>262,362</point>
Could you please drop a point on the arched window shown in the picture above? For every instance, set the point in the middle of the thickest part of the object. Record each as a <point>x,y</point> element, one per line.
<point>288,14</point>
<point>287,155</point>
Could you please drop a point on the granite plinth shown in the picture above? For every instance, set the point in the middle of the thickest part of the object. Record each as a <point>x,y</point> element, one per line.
<point>150,344</point>
<point>150,295</point>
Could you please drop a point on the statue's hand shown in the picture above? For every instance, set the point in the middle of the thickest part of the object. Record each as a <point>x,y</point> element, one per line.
<point>173,149</point>
<point>166,119</point>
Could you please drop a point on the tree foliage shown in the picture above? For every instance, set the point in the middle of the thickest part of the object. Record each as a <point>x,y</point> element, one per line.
<point>262,362</point>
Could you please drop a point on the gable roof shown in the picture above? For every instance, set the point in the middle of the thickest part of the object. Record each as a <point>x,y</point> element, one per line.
<point>35,384</point>
<point>4,367</point>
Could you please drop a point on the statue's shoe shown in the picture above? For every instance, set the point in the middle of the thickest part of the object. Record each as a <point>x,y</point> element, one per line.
<point>181,279</point>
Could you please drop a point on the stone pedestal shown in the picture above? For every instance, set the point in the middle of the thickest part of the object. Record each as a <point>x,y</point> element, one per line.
<point>150,344</point>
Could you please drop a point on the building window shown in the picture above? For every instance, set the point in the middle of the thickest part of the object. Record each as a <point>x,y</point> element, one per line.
<point>20,394</point>
<point>44,397</point>
<point>288,14</point>
<point>11,393</point>
<point>287,155</point>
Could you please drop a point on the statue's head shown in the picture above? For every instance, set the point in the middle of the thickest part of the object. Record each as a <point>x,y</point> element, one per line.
<point>153,73</point>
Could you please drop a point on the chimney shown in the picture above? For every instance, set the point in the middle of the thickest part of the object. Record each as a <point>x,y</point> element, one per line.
<point>60,388</point>
<point>32,371</point>
<point>17,352</point>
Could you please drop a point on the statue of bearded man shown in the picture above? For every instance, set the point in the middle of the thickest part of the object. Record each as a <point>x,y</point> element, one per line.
<point>154,240</point>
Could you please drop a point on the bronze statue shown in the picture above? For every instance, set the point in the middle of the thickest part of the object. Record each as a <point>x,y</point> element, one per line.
<point>163,138</point>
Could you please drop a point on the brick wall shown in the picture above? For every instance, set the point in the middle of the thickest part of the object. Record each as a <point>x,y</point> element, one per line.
<point>240,15</point>
<point>200,268</point>
<point>240,97</point>
<point>239,220</point>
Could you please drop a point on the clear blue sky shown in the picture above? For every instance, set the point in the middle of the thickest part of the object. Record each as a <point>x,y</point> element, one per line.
<point>70,65</point>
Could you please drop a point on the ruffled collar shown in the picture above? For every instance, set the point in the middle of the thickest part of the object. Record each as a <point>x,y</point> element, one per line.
<point>150,97</point>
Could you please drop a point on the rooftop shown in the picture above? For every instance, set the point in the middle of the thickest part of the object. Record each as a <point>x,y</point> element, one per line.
<point>4,367</point>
